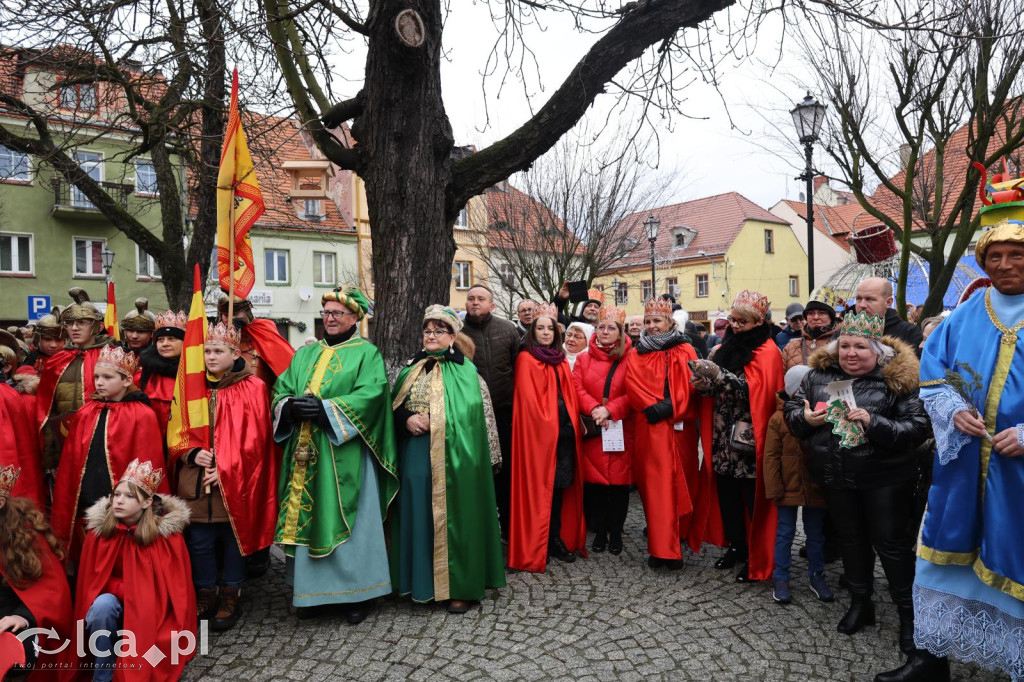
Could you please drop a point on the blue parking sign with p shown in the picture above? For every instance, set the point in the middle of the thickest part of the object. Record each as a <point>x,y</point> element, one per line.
<point>37,307</point>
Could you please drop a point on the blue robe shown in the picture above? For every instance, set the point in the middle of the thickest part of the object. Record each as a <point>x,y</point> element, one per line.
<point>969,587</point>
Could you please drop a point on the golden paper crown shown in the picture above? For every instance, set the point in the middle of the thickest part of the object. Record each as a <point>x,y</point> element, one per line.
<point>863,324</point>
<point>546,309</point>
<point>117,359</point>
<point>225,335</point>
<point>759,303</point>
<point>144,476</point>
<point>8,477</point>
<point>828,296</point>
<point>177,320</point>
<point>611,314</point>
<point>595,295</point>
<point>658,306</point>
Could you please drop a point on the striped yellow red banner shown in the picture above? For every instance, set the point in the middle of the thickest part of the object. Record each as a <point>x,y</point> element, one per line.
<point>189,425</point>
<point>110,321</point>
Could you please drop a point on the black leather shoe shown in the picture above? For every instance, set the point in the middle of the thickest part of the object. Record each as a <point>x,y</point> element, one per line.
<point>921,666</point>
<point>728,560</point>
<point>803,552</point>
<point>906,629</point>
<point>357,613</point>
<point>860,614</point>
<point>672,564</point>
<point>615,543</point>
<point>558,550</point>
<point>744,576</point>
<point>600,542</point>
<point>257,564</point>
<point>654,562</point>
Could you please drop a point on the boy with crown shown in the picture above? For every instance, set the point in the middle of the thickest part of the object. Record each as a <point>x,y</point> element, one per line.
<point>230,487</point>
<point>134,575</point>
<point>113,427</point>
<point>159,363</point>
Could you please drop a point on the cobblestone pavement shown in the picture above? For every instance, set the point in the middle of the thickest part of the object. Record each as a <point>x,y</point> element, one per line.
<point>606,618</point>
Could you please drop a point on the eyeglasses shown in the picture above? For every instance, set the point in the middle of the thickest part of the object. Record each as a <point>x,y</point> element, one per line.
<point>79,323</point>
<point>434,332</point>
<point>334,314</point>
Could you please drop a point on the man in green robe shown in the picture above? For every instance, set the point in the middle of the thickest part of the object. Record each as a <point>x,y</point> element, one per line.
<point>332,412</point>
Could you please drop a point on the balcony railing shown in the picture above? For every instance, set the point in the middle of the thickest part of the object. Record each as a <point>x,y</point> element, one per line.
<point>68,199</point>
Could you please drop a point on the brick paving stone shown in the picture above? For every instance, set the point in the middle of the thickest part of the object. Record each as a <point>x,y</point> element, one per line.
<point>604,618</point>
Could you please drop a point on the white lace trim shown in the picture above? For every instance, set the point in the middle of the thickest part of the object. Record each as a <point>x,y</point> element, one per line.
<point>941,403</point>
<point>968,630</point>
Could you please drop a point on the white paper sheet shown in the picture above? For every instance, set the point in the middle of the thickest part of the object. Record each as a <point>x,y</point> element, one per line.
<point>613,438</point>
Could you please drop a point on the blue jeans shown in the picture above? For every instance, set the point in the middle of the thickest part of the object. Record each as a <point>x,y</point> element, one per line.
<point>104,614</point>
<point>814,520</point>
<point>202,550</point>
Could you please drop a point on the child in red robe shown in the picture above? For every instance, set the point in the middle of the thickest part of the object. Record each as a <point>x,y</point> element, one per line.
<point>230,487</point>
<point>114,427</point>
<point>19,445</point>
<point>134,575</point>
<point>34,592</point>
<point>159,364</point>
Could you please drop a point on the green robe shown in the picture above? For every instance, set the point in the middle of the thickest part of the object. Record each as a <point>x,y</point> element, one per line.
<point>321,474</point>
<point>462,515</point>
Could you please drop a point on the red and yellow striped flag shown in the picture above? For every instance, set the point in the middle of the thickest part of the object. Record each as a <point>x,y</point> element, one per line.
<point>237,188</point>
<point>189,426</point>
<point>110,321</point>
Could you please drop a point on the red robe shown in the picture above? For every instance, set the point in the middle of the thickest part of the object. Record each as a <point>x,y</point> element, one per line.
<point>269,345</point>
<point>131,432</point>
<point>247,462</point>
<point>666,466</point>
<point>49,600</point>
<point>53,369</point>
<point>159,598</point>
<point>160,390</point>
<point>19,445</point>
<point>534,438</point>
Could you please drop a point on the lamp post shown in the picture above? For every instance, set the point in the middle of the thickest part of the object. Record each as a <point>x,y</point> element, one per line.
<point>808,116</point>
<point>651,225</point>
<point>107,258</point>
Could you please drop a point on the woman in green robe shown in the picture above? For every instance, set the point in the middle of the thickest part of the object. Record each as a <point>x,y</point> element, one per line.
<point>445,542</point>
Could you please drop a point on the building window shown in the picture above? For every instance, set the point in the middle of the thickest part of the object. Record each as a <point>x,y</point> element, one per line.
<point>622,294</point>
<point>148,268</point>
<point>14,166</point>
<point>794,286</point>
<point>462,272</point>
<point>312,209</point>
<point>462,221</point>
<point>508,276</point>
<point>145,177</point>
<point>646,290</point>
<point>323,268</point>
<point>92,164</point>
<point>81,97</point>
<point>277,266</point>
<point>15,254</point>
<point>672,286</point>
<point>88,261</point>
<point>769,241</point>
<point>702,286</point>
<point>680,238</point>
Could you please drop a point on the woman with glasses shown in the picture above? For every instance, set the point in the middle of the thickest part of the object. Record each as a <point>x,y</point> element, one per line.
<point>743,377</point>
<point>445,542</point>
<point>600,378</point>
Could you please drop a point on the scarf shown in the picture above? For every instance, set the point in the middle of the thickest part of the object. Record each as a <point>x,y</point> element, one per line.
<point>649,343</point>
<point>154,363</point>
<point>335,339</point>
<point>549,356</point>
<point>738,348</point>
<point>815,333</point>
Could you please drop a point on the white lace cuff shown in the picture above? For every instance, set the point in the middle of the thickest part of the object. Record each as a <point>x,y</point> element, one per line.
<point>942,402</point>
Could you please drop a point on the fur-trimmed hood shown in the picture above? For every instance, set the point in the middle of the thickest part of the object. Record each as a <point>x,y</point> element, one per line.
<point>901,375</point>
<point>174,519</point>
<point>26,383</point>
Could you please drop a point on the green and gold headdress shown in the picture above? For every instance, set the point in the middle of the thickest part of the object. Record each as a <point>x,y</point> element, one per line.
<point>443,313</point>
<point>351,298</point>
<point>863,324</point>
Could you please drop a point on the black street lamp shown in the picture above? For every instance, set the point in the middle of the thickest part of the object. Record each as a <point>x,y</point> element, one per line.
<point>107,258</point>
<point>651,225</point>
<point>808,116</point>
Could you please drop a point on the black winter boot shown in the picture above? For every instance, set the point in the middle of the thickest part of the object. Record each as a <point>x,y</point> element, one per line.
<point>906,629</point>
<point>921,666</point>
<point>860,614</point>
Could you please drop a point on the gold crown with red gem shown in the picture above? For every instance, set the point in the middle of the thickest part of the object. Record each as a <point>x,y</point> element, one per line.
<point>658,306</point>
<point>546,309</point>
<point>759,303</point>
<point>224,335</point>
<point>117,359</point>
<point>177,320</point>
<point>143,476</point>
<point>611,314</point>
<point>8,477</point>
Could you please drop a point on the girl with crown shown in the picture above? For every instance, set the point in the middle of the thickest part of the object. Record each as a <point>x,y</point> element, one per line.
<point>445,542</point>
<point>547,478</point>
<point>159,363</point>
<point>134,575</point>
<point>33,588</point>
<point>230,484</point>
<point>665,463</point>
<point>115,426</point>
<point>863,456</point>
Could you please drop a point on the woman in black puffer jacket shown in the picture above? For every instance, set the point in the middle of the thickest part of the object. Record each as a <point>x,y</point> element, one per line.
<point>865,459</point>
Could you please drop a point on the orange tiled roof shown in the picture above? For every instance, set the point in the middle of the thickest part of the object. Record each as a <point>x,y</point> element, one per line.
<point>521,212</point>
<point>835,222</point>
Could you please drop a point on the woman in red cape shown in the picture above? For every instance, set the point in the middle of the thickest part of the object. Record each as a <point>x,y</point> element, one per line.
<point>665,460</point>
<point>159,365</point>
<point>34,591</point>
<point>19,445</point>
<point>743,378</point>
<point>547,475</point>
<point>134,575</point>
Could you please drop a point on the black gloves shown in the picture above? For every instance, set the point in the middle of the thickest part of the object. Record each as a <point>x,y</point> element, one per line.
<point>238,323</point>
<point>659,411</point>
<point>305,409</point>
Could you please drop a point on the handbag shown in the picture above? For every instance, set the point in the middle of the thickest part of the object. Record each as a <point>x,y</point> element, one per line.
<point>741,439</point>
<point>590,427</point>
